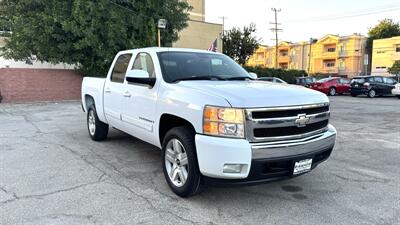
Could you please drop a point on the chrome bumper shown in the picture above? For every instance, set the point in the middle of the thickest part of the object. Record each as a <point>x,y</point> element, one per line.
<point>276,149</point>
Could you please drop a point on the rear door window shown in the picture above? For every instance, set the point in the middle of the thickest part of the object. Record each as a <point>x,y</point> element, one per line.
<point>378,79</point>
<point>120,67</point>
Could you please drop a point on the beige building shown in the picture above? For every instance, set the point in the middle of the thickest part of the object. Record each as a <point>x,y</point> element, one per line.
<point>199,34</point>
<point>384,53</point>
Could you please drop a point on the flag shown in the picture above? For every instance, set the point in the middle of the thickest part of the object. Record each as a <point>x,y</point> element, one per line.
<point>213,46</point>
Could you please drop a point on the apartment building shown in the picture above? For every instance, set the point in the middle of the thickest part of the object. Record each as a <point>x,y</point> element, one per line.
<point>339,55</point>
<point>199,34</point>
<point>384,53</point>
<point>331,54</point>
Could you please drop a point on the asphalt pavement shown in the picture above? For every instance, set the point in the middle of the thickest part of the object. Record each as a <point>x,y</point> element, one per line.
<point>51,172</point>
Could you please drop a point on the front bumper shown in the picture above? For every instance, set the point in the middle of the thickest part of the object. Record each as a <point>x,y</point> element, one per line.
<point>261,162</point>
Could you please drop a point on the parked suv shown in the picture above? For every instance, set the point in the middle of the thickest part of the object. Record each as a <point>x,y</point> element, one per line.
<point>372,86</point>
<point>305,81</point>
<point>332,85</point>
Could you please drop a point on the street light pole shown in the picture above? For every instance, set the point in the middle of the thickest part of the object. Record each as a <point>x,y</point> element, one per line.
<point>162,24</point>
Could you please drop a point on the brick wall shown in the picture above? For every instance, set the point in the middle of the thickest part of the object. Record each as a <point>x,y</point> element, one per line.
<point>35,85</point>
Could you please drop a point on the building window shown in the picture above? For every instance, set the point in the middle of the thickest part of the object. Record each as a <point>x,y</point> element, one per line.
<point>397,48</point>
<point>283,65</point>
<point>260,56</point>
<point>329,63</point>
<point>330,48</point>
<point>380,52</point>
<point>380,67</point>
<point>283,53</point>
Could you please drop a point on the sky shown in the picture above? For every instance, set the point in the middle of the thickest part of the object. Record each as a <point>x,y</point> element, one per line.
<point>303,19</point>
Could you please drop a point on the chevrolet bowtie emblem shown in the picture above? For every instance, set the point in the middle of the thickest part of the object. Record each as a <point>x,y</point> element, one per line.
<point>302,120</point>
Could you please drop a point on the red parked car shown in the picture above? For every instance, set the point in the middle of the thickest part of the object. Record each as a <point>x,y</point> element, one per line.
<point>332,85</point>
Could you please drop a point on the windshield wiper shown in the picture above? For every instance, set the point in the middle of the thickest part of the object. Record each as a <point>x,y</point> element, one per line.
<point>199,78</point>
<point>238,78</point>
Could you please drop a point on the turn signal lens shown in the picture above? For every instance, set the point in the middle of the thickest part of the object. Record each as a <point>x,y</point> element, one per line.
<point>227,122</point>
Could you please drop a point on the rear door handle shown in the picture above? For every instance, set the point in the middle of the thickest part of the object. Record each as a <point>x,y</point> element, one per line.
<point>127,94</point>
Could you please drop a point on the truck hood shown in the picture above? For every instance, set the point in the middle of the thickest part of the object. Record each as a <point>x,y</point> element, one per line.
<point>253,94</point>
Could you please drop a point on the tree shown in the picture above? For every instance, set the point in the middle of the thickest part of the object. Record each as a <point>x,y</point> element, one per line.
<point>87,33</point>
<point>395,69</point>
<point>240,44</point>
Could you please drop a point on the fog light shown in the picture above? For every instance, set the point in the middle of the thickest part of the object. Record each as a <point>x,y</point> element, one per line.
<point>232,168</point>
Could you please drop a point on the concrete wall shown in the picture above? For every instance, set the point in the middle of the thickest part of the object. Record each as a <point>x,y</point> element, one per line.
<point>35,85</point>
<point>199,35</point>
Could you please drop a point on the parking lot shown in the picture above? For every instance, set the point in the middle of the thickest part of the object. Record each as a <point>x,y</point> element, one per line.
<point>51,172</point>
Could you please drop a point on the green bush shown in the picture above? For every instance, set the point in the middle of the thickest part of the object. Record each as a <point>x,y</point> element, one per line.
<point>286,75</point>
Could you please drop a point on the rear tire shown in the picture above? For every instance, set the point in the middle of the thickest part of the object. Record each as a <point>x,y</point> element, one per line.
<point>371,93</point>
<point>332,91</point>
<point>98,130</point>
<point>353,95</point>
<point>180,166</point>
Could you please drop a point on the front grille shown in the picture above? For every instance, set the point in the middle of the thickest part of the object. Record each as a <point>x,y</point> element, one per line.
<point>288,113</point>
<point>287,131</point>
<point>280,123</point>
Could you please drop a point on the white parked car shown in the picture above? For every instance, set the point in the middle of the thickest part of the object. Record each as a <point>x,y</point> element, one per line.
<point>214,124</point>
<point>273,80</point>
<point>396,90</point>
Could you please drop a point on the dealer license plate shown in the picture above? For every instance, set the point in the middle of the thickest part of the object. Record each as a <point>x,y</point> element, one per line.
<point>302,166</point>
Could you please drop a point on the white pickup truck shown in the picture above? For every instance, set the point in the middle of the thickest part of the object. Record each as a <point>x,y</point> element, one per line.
<point>215,124</point>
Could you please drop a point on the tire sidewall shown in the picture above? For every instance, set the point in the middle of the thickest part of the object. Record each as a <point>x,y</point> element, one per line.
<point>193,181</point>
<point>370,93</point>
<point>91,108</point>
<point>330,91</point>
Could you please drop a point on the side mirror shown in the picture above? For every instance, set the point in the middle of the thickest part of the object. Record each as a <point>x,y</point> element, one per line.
<point>253,75</point>
<point>140,77</point>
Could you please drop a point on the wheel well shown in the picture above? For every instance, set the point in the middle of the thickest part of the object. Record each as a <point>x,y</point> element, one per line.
<point>168,121</point>
<point>88,101</point>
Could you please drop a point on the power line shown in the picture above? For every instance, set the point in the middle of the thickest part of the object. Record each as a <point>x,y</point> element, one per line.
<point>276,30</point>
<point>365,12</point>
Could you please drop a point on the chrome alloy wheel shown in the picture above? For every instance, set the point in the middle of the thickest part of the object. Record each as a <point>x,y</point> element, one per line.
<point>92,123</point>
<point>176,162</point>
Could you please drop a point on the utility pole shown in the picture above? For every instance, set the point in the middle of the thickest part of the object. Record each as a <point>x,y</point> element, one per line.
<point>223,21</point>
<point>276,30</point>
<point>312,41</point>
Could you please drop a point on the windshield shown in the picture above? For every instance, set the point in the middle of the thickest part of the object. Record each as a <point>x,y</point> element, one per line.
<point>324,80</point>
<point>358,80</point>
<point>178,66</point>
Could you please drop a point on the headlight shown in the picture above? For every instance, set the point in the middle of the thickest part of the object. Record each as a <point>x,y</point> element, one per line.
<point>226,122</point>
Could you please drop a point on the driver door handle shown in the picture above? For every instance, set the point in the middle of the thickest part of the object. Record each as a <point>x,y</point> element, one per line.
<point>107,90</point>
<point>127,94</point>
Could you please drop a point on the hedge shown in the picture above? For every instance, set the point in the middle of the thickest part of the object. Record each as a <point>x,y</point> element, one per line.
<point>286,75</point>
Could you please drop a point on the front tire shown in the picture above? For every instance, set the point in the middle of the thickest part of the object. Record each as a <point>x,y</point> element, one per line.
<point>98,130</point>
<point>371,93</point>
<point>180,164</point>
